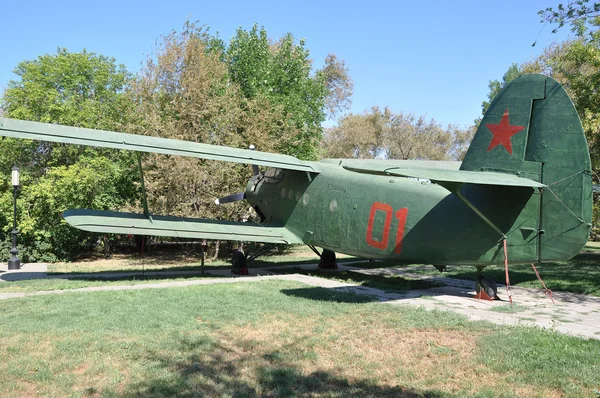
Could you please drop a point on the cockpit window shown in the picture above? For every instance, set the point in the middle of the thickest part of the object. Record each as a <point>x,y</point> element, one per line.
<point>273,176</point>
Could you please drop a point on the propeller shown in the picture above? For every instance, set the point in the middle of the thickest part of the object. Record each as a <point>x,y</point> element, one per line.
<point>231,198</point>
<point>240,195</point>
<point>255,170</point>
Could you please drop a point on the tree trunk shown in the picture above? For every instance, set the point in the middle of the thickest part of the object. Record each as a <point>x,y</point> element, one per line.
<point>106,243</point>
<point>216,255</point>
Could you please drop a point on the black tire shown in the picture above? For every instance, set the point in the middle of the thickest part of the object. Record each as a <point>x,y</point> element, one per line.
<point>238,262</point>
<point>328,260</point>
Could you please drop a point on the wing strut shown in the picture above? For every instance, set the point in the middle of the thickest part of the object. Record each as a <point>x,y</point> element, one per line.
<point>144,197</point>
<point>455,189</point>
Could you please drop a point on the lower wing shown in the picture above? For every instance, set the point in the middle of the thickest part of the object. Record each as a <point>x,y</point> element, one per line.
<point>195,228</point>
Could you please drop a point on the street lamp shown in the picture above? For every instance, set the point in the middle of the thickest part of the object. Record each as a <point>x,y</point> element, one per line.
<point>14,262</point>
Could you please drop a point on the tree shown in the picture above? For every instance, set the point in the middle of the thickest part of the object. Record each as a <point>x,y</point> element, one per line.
<point>77,89</point>
<point>280,73</point>
<point>389,135</point>
<point>582,15</point>
<point>183,92</point>
<point>74,89</point>
<point>252,91</point>
<point>495,86</point>
<point>339,85</point>
<point>356,136</point>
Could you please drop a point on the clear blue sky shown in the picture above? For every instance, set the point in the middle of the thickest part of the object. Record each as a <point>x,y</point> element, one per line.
<point>427,57</point>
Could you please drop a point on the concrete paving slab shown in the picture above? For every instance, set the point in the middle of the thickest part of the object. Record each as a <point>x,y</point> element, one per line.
<point>28,271</point>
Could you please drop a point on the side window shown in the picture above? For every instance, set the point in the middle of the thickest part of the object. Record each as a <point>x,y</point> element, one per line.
<point>273,176</point>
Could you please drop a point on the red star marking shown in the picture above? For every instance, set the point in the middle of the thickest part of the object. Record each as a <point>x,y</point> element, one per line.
<point>502,133</point>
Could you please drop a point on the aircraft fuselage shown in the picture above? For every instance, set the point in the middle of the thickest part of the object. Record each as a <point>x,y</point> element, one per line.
<point>396,218</point>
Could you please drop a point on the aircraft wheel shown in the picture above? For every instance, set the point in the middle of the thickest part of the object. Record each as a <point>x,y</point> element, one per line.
<point>328,260</point>
<point>488,286</point>
<point>238,262</point>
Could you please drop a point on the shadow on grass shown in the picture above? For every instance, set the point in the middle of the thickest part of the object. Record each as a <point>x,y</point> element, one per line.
<point>209,368</point>
<point>580,275</point>
<point>389,283</point>
<point>338,295</point>
<point>196,267</point>
<point>137,277</point>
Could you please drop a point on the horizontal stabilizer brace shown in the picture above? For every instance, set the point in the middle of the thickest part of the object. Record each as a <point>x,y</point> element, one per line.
<point>448,178</point>
<point>138,224</point>
<point>110,139</point>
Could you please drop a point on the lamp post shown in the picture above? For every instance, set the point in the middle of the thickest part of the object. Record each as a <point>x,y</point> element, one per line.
<point>14,262</point>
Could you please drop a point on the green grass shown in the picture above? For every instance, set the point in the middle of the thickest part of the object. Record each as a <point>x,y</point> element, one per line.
<point>35,285</point>
<point>592,247</point>
<point>274,339</point>
<point>578,275</point>
<point>509,308</point>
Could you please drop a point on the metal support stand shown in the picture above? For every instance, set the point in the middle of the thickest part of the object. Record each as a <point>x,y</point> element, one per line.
<point>202,257</point>
<point>261,251</point>
<point>327,258</point>
<point>314,249</point>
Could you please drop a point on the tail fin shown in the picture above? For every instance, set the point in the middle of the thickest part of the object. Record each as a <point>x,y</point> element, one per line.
<point>532,129</point>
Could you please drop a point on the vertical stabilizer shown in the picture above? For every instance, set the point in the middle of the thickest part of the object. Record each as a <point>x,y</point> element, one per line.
<point>532,129</point>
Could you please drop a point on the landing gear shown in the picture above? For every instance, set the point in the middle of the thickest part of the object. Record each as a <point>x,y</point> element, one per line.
<point>485,288</point>
<point>328,260</point>
<point>238,262</point>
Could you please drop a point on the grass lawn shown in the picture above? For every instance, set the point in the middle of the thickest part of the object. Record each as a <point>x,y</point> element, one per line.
<point>385,282</point>
<point>36,285</point>
<point>578,275</point>
<point>276,339</point>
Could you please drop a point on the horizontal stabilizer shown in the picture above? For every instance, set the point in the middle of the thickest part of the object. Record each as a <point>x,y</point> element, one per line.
<point>449,177</point>
<point>137,224</point>
<point>110,139</point>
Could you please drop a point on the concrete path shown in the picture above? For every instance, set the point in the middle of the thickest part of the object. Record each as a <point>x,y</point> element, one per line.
<point>573,314</point>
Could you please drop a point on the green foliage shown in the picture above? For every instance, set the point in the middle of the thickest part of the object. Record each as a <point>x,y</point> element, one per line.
<point>495,86</point>
<point>251,91</point>
<point>77,89</point>
<point>389,135</point>
<point>281,73</point>
<point>90,183</point>
<point>583,17</point>
<point>74,89</point>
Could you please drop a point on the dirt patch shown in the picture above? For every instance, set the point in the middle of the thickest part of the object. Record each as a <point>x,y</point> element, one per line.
<point>364,348</point>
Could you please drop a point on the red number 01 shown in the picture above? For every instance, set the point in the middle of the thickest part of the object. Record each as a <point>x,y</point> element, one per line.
<point>400,216</point>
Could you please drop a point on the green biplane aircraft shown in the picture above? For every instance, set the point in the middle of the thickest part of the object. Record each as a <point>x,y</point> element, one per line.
<point>525,183</point>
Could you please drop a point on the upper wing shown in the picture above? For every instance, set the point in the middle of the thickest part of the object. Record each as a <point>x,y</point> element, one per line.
<point>446,177</point>
<point>111,139</point>
<point>195,228</point>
